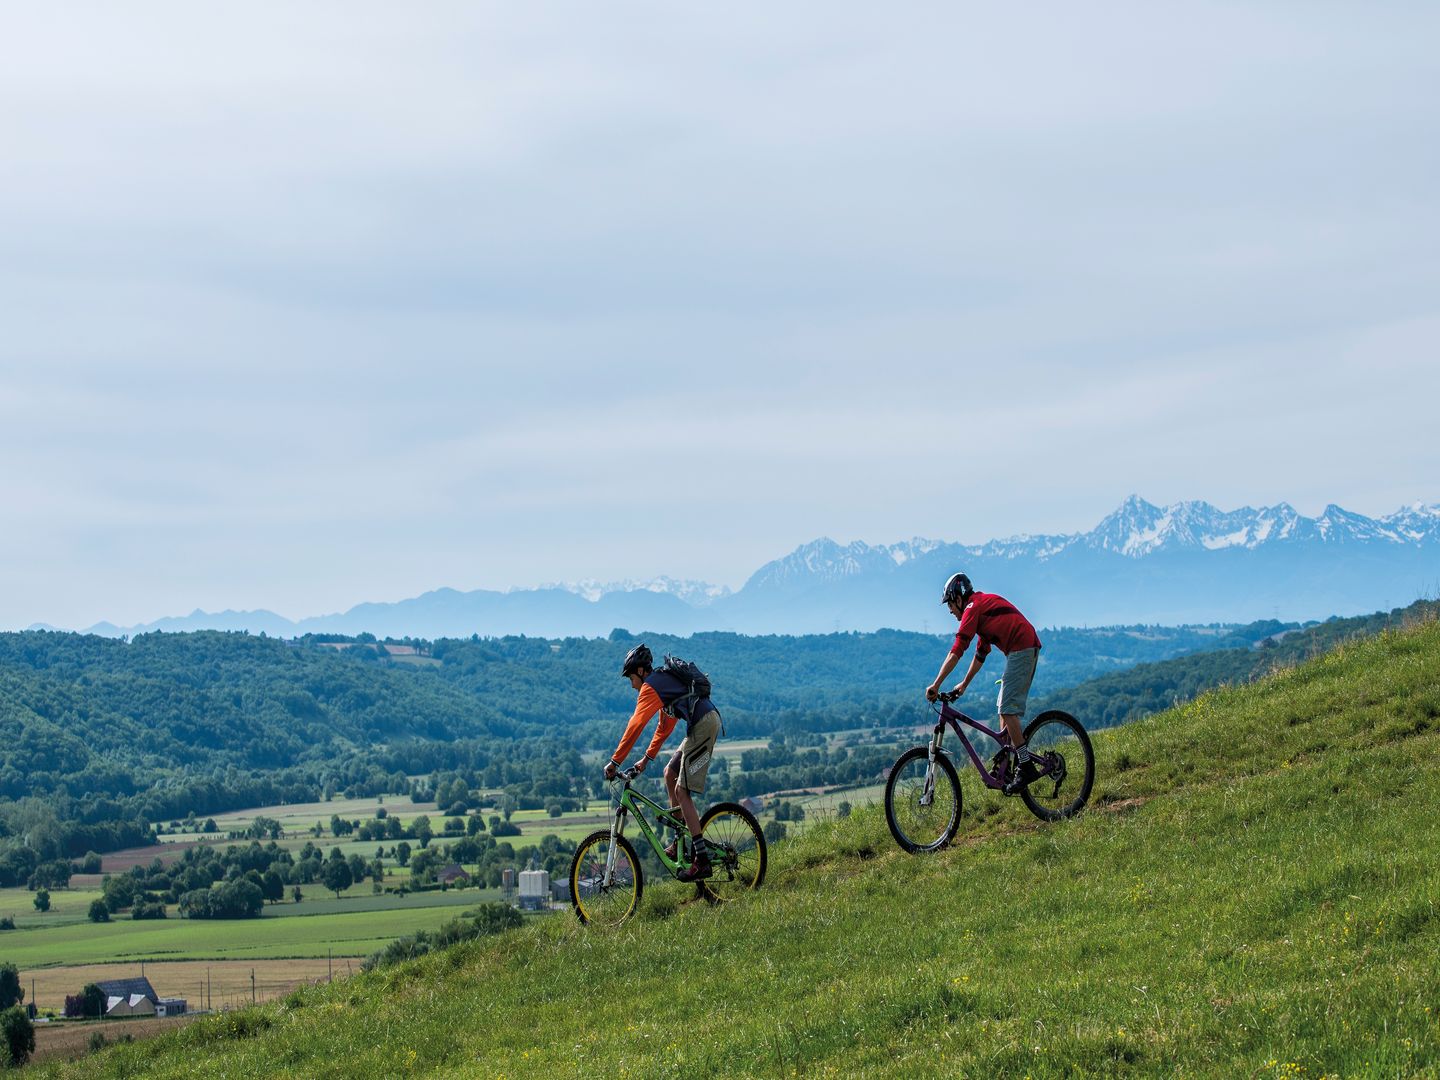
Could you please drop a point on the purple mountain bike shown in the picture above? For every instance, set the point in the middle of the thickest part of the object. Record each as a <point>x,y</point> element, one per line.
<point>922,794</point>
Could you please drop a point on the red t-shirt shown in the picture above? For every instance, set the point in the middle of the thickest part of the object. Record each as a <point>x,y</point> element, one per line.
<point>996,622</point>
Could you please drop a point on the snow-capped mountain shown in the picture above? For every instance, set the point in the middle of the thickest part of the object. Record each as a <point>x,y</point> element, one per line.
<point>1184,563</point>
<point>825,560</point>
<point>1187,562</point>
<point>694,593</point>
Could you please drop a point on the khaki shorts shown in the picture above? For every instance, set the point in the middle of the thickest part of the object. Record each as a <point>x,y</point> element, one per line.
<point>1015,686</point>
<point>691,762</point>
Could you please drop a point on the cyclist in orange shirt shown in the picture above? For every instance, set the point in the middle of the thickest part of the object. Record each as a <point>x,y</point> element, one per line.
<point>663,693</point>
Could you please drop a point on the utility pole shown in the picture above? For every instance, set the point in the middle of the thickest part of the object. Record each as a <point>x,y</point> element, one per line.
<point>329,967</point>
<point>252,986</point>
<point>209,1001</point>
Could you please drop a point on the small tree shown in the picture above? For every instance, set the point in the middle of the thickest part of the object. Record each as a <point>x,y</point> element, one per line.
<point>337,877</point>
<point>402,853</point>
<point>17,1035</point>
<point>93,999</point>
<point>99,912</point>
<point>11,992</point>
<point>843,810</point>
<point>296,894</point>
<point>42,900</point>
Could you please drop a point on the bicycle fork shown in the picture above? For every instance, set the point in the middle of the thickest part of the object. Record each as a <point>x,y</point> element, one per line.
<point>617,827</point>
<point>927,795</point>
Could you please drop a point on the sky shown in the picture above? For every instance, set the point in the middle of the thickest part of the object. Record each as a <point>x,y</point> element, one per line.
<point>307,305</point>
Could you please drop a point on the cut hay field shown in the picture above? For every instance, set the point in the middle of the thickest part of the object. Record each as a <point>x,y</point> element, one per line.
<point>64,1041</point>
<point>228,981</point>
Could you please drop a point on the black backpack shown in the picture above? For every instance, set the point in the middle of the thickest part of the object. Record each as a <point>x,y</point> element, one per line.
<point>695,681</point>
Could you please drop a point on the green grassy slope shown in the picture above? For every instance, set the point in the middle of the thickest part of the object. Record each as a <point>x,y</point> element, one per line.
<point>1253,893</point>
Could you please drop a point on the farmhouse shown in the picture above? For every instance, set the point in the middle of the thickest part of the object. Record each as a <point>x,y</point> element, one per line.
<point>451,874</point>
<point>129,997</point>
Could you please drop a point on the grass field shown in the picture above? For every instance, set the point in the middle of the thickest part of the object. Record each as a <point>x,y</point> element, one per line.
<point>297,818</point>
<point>66,906</point>
<point>1254,893</point>
<point>350,933</point>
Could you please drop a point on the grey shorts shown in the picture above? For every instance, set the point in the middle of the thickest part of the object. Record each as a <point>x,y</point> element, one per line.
<point>691,762</point>
<point>1015,685</point>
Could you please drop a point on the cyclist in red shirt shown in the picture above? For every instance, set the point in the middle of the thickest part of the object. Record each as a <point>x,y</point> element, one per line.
<point>996,622</point>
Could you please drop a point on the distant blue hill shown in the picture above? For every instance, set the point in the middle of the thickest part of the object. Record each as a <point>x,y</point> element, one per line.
<point>1185,563</point>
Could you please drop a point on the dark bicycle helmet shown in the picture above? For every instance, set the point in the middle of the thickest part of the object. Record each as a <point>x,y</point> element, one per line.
<point>638,657</point>
<point>957,590</point>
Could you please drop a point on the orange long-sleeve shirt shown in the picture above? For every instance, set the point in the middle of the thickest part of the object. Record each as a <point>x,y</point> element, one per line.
<point>646,706</point>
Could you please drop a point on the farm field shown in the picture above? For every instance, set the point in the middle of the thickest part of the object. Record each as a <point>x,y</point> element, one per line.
<point>228,980</point>
<point>59,1042</point>
<point>66,906</point>
<point>349,933</point>
<point>301,817</point>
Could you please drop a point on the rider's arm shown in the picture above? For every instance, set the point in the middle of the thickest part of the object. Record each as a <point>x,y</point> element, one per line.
<point>948,666</point>
<point>976,663</point>
<point>662,732</point>
<point>646,706</point>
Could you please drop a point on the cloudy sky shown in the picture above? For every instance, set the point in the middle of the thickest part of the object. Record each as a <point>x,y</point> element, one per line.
<point>308,304</point>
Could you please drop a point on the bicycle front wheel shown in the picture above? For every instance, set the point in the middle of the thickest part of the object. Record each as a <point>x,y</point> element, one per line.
<point>1067,762</point>
<point>922,806</point>
<point>737,852</point>
<point>596,902</point>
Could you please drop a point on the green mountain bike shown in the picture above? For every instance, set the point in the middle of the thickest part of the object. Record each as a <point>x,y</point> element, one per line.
<point>606,880</point>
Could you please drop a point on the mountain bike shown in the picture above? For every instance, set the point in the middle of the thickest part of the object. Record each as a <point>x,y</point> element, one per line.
<point>606,880</point>
<point>922,793</point>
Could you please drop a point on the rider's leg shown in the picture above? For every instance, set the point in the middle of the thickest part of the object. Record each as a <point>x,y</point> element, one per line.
<point>1013,729</point>
<point>1015,692</point>
<point>687,810</point>
<point>673,790</point>
<point>696,752</point>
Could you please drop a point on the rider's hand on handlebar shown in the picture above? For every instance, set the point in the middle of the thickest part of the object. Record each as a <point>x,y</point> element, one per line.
<point>932,692</point>
<point>639,766</point>
<point>611,770</point>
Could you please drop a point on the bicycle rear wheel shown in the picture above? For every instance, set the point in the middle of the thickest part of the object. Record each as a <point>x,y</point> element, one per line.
<point>737,852</point>
<point>595,902</point>
<point>1060,743</point>
<point>922,807</point>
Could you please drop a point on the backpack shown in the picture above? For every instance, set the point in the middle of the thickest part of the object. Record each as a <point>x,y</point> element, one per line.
<point>695,681</point>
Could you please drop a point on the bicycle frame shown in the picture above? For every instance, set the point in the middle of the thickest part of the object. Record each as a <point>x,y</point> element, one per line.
<point>632,802</point>
<point>954,717</point>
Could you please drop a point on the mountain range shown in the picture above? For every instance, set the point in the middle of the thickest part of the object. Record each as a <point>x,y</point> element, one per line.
<point>1184,563</point>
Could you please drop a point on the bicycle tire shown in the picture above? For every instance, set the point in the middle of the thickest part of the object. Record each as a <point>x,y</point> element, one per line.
<point>918,829</point>
<point>1057,732</point>
<point>611,906</point>
<point>738,853</point>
